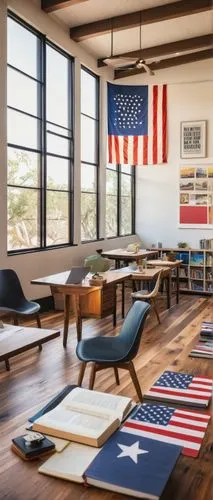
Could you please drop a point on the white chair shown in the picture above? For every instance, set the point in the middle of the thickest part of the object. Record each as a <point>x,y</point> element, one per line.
<point>150,297</point>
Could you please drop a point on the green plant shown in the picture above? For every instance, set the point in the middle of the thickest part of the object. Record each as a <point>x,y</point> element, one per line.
<point>182,244</point>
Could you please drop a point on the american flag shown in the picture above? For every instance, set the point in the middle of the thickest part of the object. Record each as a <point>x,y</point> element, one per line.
<point>170,425</point>
<point>182,388</point>
<point>202,350</point>
<point>137,124</point>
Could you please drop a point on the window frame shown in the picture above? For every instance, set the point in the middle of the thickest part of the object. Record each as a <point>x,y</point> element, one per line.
<point>96,164</point>
<point>119,196</point>
<point>42,140</point>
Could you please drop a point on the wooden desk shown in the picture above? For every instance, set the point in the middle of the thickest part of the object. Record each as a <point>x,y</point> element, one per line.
<point>19,339</point>
<point>121,254</point>
<point>172,265</point>
<point>88,301</point>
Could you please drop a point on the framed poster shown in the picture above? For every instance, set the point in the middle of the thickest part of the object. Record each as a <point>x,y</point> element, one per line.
<point>196,196</point>
<point>193,139</point>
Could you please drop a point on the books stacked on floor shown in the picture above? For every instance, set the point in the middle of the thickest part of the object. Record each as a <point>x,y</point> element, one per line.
<point>206,332</point>
<point>181,388</point>
<point>34,449</point>
<point>202,350</point>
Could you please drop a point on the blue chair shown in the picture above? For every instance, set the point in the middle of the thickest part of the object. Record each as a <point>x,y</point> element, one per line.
<point>12,299</point>
<point>116,352</point>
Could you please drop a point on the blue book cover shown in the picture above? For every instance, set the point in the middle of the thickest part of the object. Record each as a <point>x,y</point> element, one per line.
<point>133,465</point>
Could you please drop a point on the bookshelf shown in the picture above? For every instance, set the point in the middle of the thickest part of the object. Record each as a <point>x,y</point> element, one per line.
<point>196,270</point>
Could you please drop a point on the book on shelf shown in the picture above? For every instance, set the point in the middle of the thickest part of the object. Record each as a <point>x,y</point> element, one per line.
<point>206,244</point>
<point>85,416</point>
<point>133,465</point>
<point>197,259</point>
<point>202,350</point>
<point>169,425</point>
<point>182,388</point>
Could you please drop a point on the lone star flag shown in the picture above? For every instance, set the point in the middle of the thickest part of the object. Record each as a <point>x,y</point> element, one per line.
<point>137,124</point>
<point>182,388</point>
<point>169,425</point>
<point>133,465</point>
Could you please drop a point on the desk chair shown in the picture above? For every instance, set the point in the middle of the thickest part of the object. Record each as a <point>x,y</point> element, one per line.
<point>12,299</point>
<point>149,296</point>
<point>116,352</point>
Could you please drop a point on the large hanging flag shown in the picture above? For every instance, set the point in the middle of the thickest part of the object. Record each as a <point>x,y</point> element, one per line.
<point>137,124</point>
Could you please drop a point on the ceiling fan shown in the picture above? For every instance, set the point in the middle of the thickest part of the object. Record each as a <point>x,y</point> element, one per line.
<point>128,63</point>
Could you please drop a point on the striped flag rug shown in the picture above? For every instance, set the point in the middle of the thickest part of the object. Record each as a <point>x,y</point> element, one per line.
<point>169,425</point>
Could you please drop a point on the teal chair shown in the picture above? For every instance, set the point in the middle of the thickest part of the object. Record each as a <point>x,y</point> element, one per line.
<point>96,263</point>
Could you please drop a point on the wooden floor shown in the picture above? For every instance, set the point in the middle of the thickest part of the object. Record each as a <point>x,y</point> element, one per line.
<point>36,376</point>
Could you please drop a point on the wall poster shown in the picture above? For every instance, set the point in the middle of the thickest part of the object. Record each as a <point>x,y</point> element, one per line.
<point>193,139</point>
<point>196,196</point>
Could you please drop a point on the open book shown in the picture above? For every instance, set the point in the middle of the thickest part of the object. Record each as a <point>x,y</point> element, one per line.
<point>85,416</point>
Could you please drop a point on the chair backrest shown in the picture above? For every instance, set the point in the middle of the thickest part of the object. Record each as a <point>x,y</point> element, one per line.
<point>132,328</point>
<point>11,293</point>
<point>155,290</point>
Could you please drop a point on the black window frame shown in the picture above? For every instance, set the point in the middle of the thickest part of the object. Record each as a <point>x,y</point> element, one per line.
<point>119,173</point>
<point>42,141</point>
<point>97,163</point>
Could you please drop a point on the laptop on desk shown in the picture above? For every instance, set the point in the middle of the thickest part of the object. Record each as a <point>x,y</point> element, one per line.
<point>77,274</point>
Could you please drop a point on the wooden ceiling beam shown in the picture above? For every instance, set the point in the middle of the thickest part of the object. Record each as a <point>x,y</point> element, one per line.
<point>53,5</point>
<point>198,42</point>
<point>147,16</point>
<point>167,63</point>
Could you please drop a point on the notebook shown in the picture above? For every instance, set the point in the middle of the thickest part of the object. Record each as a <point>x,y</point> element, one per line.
<point>202,350</point>
<point>133,465</point>
<point>77,274</point>
<point>182,388</point>
<point>169,425</point>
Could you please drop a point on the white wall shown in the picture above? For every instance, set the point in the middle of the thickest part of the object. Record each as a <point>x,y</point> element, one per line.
<point>190,97</point>
<point>34,265</point>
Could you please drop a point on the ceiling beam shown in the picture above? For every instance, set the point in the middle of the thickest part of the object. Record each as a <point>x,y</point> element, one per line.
<point>198,42</point>
<point>148,16</point>
<point>52,5</point>
<point>167,63</point>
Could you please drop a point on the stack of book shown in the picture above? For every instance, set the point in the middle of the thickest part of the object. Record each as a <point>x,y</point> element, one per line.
<point>206,332</point>
<point>206,244</point>
<point>202,350</point>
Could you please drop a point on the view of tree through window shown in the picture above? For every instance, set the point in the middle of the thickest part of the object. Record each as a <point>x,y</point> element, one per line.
<point>89,154</point>
<point>40,147</point>
<point>120,200</point>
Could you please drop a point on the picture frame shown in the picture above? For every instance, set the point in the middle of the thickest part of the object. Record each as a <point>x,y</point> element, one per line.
<point>195,205</point>
<point>193,139</point>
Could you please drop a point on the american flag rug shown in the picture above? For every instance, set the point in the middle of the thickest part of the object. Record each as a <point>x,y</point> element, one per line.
<point>169,425</point>
<point>182,388</point>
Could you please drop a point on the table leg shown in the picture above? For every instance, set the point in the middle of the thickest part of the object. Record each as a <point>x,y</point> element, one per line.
<point>66,318</point>
<point>168,291</point>
<point>177,286</point>
<point>78,318</point>
<point>123,298</point>
<point>7,364</point>
<point>115,306</point>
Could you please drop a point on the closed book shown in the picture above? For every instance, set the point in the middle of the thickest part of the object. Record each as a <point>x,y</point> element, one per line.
<point>202,350</point>
<point>84,416</point>
<point>182,388</point>
<point>133,465</point>
<point>33,450</point>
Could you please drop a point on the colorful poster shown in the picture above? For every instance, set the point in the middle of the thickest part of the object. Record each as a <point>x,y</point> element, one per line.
<point>196,195</point>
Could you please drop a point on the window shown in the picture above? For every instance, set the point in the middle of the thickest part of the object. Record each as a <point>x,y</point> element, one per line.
<point>89,155</point>
<point>120,200</point>
<point>40,141</point>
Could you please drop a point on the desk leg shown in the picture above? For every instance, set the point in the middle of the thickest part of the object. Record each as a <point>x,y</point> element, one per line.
<point>7,364</point>
<point>78,319</point>
<point>66,318</point>
<point>177,286</point>
<point>115,306</point>
<point>168,291</point>
<point>123,298</point>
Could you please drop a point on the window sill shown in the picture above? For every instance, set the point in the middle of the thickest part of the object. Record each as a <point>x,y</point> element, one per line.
<point>91,241</point>
<point>11,253</point>
<point>122,236</point>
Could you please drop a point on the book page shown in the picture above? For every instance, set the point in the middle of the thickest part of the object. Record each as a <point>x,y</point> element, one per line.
<point>97,403</point>
<point>75,422</point>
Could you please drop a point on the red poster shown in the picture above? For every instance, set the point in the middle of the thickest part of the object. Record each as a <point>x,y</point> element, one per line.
<point>193,215</point>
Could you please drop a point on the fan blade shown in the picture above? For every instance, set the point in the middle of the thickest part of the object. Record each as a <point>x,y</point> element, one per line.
<point>118,60</point>
<point>123,68</point>
<point>148,69</point>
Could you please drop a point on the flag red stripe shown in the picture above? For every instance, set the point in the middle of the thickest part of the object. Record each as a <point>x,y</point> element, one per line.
<point>145,150</point>
<point>201,389</point>
<point>198,381</point>
<point>162,432</point>
<point>191,417</point>
<point>125,148</point>
<point>110,148</point>
<point>187,426</point>
<point>135,150</point>
<point>155,125</point>
<point>188,452</point>
<point>181,394</point>
<point>117,152</point>
<point>164,124</point>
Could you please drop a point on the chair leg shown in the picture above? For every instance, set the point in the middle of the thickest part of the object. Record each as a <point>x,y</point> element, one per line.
<point>92,376</point>
<point>116,375</point>
<point>155,309</point>
<point>15,320</point>
<point>38,320</point>
<point>81,373</point>
<point>134,378</point>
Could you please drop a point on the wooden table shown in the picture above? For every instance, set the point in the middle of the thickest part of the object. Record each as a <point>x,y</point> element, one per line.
<point>120,254</point>
<point>15,340</point>
<point>172,265</point>
<point>150,274</point>
<point>88,301</point>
